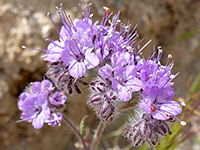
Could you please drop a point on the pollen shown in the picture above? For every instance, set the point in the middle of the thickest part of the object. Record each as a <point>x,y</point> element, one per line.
<point>167,114</point>
<point>67,73</point>
<point>61,94</point>
<point>123,47</point>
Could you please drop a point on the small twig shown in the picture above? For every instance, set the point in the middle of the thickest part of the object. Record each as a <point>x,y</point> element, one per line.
<point>97,136</point>
<point>74,129</point>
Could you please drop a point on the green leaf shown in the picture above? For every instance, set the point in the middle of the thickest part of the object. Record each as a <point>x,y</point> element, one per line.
<point>82,125</point>
<point>195,85</point>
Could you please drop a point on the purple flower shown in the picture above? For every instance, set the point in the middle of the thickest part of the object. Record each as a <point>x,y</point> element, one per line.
<point>123,75</point>
<point>153,73</point>
<point>38,104</point>
<point>79,59</point>
<point>157,102</point>
<point>58,98</point>
<point>35,110</point>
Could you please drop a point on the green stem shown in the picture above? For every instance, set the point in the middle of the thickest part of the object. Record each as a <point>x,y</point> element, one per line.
<point>97,136</point>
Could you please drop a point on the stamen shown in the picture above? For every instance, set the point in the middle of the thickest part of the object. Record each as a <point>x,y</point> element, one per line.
<point>145,45</point>
<point>48,14</point>
<point>51,41</point>
<point>43,50</point>
<point>183,123</point>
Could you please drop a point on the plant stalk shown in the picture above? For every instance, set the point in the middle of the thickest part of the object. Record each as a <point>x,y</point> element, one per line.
<point>74,129</point>
<point>97,136</point>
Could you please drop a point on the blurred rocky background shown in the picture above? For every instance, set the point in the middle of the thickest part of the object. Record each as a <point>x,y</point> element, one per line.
<point>172,24</point>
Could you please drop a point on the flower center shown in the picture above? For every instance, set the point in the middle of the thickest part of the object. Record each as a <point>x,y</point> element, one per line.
<point>153,108</point>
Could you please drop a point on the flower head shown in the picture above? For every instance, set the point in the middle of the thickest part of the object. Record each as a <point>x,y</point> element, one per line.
<point>38,104</point>
<point>143,128</point>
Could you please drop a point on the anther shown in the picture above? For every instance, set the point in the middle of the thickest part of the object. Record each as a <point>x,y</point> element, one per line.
<point>48,14</point>
<point>109,35</point>
<point>23,46</point>
<point>172,76</point>
<point>61,94</point>
<point>167,114</point>
<point>67,73</point>
<point>183,103</point>
<point>74,39</point>
<point>21,117</point>
<point>84,48</point>
<point>158,72</point>
<point>31,83</point>
<point>123,47</point>
<point>49,124</point>
<point>107,10</point>
<point>138,73</point>
<point>128,90</point>
<point>46,88</point>
<point>183,123</point>
<point>170,56</point>
<point>150,76</point>
<point>91,15</point>
<point>129,48</point>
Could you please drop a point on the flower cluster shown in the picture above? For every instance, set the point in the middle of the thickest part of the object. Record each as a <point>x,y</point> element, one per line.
<point>40,105</point>
<point>122,71</point>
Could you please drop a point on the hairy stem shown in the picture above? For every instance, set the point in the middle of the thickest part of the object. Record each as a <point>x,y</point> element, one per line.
<point>97,136</point>
<point>74,129</point>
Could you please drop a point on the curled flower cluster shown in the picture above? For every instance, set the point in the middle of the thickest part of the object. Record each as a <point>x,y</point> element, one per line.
<point>40,105</point>
<point>122,72</point>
